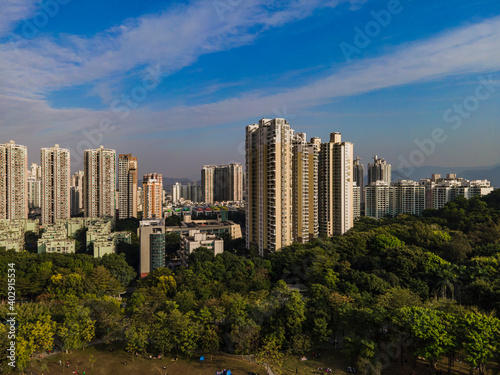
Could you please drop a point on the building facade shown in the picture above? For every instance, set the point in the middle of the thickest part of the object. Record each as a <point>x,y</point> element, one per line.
<point>56,203</point>
<point>13,181</point>
<point>304,188</point>
<point>152,239</point>
<point>34,182</point>
<point>76,193</point>
<point>152,188</point>
<point>269,173</point>
<point>99,182</point>
<point>359,177</point>
<point>336,206</point>
<point>222,183</point>
<point>127,186</point>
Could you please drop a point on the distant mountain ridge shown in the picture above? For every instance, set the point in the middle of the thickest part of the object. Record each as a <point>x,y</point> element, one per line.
<point>491,173</point>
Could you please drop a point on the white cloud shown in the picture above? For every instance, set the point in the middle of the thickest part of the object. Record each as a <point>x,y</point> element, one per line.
<point>13,11</point>
<point>174,39</point>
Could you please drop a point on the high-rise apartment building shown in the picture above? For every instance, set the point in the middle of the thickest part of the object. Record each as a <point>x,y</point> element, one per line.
<point>305,188</point>
<point>336,211</point>
<point>406,197</point>
<point>189,192</point>
<point>222,183</point>
<point>410,197</point>
<point>76,193</point>
<point>379,170</point>
<point>207,183</point>
<point>377,200</point>
<point>152,188</point>
<point>55,163</point>
<point>13,181</point>
<point>99,186</point>
<point>356,199</point>
<point>359,177</point>
<point>441,190</point>
<point>127,186</point>
<point>34,186</point>
<point>269,184</point>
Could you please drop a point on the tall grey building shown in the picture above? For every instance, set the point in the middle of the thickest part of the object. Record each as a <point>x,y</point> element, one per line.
<point>379,170</point>
<point>76,193</point>
<point>359,178</point>
<point>35,186</point>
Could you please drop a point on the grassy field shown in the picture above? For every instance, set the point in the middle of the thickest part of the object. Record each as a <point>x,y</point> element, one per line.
<point>113,363</point>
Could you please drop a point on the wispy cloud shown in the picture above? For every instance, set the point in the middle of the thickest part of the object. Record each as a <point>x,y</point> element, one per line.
<point>469,50</point>
<point>14,11</point>
<point>174,39</point>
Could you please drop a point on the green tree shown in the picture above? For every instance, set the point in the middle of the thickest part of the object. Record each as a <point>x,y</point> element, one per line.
<point>429,328</point>
<point>78,328</point>
<point>137,335</point>
<point>480,334</point>
<point>269,354</point>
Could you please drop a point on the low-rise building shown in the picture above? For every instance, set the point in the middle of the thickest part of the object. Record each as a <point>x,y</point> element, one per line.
<point>100,235</point>
<point>195,239</point>
<point>12,232</point>
<point>219,226</point>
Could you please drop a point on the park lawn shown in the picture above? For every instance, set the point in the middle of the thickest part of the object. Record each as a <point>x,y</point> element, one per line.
<point>330,357</point>
<point>112,363</point>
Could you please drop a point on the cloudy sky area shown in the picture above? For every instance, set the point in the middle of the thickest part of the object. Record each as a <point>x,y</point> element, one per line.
<point>176,82</point>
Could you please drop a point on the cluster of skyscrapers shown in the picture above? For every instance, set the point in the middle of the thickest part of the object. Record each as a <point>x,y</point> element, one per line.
<point>296,190</point>
<point>50,187</point>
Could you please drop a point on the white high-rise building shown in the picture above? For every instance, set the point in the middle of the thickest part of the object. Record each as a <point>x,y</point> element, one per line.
<point>377,200</point>
<point>99,166</point>
<point>441,190</point>
<point>152,186</point>
<point>336,206</point>
<point>356,199</point>
<point>55,163</point>
<point>406,197</point>
<point>127,181</point>
<point>13,181</point>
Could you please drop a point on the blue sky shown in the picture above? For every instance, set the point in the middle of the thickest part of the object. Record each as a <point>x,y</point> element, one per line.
<point>176,82</point>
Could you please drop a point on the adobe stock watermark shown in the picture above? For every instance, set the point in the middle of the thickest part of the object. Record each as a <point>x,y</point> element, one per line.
<point>372,29</point>
<point>454,116</point>
<point>121,108</point>
<point>48,9</point>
